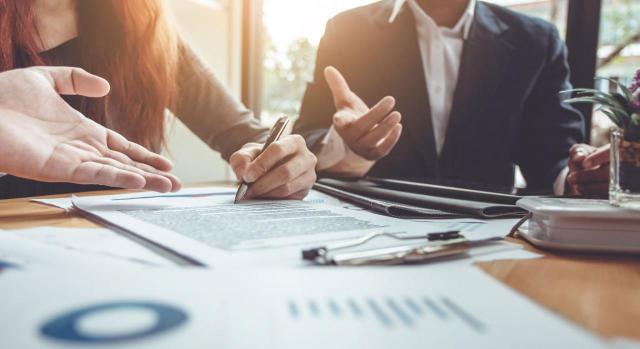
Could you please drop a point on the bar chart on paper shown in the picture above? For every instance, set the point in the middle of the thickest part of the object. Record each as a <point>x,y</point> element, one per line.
<point>388,313</point>
<point>362,320</point>
<point>407,307</point>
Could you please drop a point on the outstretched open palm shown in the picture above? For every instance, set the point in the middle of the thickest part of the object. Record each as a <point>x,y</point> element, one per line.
<point>43,138</point>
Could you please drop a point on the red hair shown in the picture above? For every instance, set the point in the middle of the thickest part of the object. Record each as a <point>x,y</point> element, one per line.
<point>129,43</point>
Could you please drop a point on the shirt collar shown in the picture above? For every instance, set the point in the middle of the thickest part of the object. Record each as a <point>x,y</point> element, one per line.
<point>465,20</point>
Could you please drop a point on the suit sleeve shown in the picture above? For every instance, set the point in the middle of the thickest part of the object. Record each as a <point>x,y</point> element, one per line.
<point>550,126</point>
<point>317,109</point>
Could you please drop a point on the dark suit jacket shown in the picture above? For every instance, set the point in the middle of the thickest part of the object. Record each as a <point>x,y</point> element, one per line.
<point>507,108</point>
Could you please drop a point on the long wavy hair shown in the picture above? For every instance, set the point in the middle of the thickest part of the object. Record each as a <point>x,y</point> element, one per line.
<point>130,43</point>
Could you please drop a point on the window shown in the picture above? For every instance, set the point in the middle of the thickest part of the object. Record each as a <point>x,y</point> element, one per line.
<point>618,54</point>
<point>208,26</point>
<point>290,44</point>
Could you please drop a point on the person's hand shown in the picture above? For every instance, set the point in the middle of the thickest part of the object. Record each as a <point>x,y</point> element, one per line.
<point>43,138</point>
<point>286,169</point>
<point>589,171</point>
<point>369,132</point>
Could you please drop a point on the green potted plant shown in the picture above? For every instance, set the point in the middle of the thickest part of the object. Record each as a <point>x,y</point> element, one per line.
<point>623,108</point>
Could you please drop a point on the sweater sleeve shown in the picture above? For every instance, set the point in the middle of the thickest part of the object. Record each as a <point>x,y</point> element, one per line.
<point>208,108</point>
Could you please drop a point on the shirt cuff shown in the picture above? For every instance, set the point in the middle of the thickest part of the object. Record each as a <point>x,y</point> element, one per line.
<point>559,184</point>
<point>334,155</point>
<point>332,150</point>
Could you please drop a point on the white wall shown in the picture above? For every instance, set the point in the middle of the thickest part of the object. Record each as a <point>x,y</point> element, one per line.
<point>213,28</point>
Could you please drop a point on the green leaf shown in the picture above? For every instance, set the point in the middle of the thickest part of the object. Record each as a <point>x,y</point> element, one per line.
<point>589,99</point>
<point>601,98</point>
<point>624,89</point>
<point>622,116</point>
<point>580,90</point>
<point>613,100</point>
<point>608,102</point>
<point>613,118</point>
<point>617,115</point>
<point>624,102</point>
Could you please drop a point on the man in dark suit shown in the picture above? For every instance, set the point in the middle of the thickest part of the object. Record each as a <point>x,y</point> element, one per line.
<point>477,87</point>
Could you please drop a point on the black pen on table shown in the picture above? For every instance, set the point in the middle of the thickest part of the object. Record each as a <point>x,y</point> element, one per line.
<point>274,135</point>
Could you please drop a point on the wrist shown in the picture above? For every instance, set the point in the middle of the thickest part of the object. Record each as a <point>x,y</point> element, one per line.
<point>353,165</point>
<point>331,150</point>
<point>335,156</point>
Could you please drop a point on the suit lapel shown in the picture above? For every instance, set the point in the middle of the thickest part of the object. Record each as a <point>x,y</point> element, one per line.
<point>397,52</point>
<point>484,60</point>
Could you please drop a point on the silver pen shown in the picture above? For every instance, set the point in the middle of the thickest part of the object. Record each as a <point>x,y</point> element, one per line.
<point>274,135</point>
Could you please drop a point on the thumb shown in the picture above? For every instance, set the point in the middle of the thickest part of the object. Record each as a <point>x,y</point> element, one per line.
<point>597,158</point>
<point>241,159</point>
<point>75,81</point>
<point>577,155</point>
<point>342,119</point>
<point>338,85</point>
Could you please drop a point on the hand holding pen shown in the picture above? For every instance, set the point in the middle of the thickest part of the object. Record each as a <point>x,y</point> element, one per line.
<point>282,168</point>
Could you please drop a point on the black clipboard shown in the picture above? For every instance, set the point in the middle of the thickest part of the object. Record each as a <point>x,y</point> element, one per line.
<point>369,194</point>
<point>446,191</point>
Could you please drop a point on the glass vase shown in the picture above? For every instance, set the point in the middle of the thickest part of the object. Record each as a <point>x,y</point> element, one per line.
<point>624,186</point>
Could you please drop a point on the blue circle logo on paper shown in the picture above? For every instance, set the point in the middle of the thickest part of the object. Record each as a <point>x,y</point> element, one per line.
<point>114,322</point>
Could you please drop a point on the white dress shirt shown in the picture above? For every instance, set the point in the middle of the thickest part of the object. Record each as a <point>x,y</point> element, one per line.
<point>441,51</point>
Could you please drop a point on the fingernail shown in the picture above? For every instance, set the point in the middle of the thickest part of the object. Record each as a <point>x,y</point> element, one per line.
<point>339,121</point>
<point>390,100</point>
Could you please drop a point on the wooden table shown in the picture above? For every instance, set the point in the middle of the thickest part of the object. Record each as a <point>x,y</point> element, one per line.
<point>601,293</point>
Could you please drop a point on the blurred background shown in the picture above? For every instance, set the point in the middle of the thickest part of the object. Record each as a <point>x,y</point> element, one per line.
<point>265,51</point>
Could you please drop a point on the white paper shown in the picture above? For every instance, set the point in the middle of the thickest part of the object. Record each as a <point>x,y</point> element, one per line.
<point>403,307</point>
<point>24,254</point>
<point>209,228</point>
<point>202,224</point>
<point>95,241</point>
<point>66,202</point>
<point>33,299</point>
<point>410,308</point>
<point>151,198</point>
<point>623,343</point>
